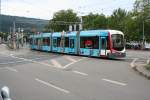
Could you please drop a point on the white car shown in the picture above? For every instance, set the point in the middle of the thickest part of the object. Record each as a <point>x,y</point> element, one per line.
<point>147,45</point>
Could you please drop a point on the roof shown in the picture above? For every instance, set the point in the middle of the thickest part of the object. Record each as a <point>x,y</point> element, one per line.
<point>37,35</point>
<point>94,33</point>
<point>46,34</point>
<point>56,34</point>
<point>73,33</point>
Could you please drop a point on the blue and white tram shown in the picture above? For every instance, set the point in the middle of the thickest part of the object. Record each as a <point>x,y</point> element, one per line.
<point>46,41</point>
<point>96,43</point>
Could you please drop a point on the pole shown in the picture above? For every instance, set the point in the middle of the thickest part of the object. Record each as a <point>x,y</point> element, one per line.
<point>22,37</point>
<point>14,35</point>
<point>0,17</point>
<point>0,7</point>
<point>143,35</point>
<point>10,41</point>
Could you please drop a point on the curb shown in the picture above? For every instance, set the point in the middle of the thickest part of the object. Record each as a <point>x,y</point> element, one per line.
<point>140,69</point>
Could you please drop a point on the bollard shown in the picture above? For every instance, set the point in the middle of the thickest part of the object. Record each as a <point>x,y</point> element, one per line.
<point>148,62</point>
<point>5,94</point>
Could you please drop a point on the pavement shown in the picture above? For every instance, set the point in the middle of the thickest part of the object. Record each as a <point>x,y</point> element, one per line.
<point>35,75</point>
<point>140,68</point>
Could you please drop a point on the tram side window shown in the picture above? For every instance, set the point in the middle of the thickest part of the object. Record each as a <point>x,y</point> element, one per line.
<point>58,42</point>
<point>89,42</point>
<point>36,41</point>
<point>31,41</point>
<point>54,42</point>
<point>66,41</point>
<point>39,41</point>
<point>71,43</point>
<point>46,41</point>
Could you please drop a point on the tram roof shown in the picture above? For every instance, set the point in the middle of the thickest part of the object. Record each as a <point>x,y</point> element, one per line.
<point>94,33</point>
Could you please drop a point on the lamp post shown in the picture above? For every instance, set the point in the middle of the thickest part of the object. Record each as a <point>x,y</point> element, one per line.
<point>143,35</point>
<point>14,34</point>
<point>0,15</point>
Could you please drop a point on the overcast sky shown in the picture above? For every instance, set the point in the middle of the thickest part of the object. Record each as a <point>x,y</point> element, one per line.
<point>44,9</point>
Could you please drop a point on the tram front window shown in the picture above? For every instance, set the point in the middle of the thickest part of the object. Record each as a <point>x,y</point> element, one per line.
<point>117,42</point>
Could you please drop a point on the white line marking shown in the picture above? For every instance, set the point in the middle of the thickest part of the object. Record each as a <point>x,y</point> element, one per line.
<point>132,64</point>
<point>69,58</point>
<point>114,82</point>
<point>81,73</point>
<point>66,66</point>
<point>53,86</point>
<point>10,62</point>
<point>56,63</point>
<point>43,63</point>
<point>32,60</point>
<point>11,69</point>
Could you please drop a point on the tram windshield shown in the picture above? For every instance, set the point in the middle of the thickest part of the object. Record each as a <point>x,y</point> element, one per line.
<point>117,42</point>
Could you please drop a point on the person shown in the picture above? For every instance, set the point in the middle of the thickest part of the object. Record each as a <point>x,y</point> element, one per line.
<point>88,44</point>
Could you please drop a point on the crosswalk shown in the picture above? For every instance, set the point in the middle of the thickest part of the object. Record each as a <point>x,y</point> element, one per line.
<point>57,61</point>
<point>63,61</point>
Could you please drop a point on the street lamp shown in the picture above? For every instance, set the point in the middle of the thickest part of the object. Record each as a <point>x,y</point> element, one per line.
<point>144,31</point>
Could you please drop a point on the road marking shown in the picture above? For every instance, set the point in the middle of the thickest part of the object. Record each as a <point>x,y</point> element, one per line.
<point>32,60</point>
<point>10,62</point>
<point>132,64</point>
<point>81,73</point>
<point>56,63</point>
<point>53,86</point>
<point>66,66</point>
<point>20,58</point>
<point>114,82</point>
<point>69,58</point>
<point>43,63</point>
<point>11,69</point>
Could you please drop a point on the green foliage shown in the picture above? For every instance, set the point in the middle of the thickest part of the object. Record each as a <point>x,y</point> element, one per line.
<point>117,19</point>
<point>96,21</point>
<point>130,23</point>
<point>4,35</point>
<point>60,19</point>
<point>142,13</point>
<point>147,67</point>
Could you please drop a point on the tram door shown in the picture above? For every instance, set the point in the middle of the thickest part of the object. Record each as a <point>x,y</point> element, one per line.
<point>71,45</point>
<point>54,47</point>
<point>103,46</point>
<point>39,43</point>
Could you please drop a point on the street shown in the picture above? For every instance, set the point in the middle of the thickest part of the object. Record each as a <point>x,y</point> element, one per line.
<point>35,75</point>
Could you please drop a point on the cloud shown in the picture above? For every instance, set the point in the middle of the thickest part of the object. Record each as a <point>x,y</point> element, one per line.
<point>45,9</point>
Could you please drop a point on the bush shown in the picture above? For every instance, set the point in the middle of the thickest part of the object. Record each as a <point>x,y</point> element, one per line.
<point>147,67</point>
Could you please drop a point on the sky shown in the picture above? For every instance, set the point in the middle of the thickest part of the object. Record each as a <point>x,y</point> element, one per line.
<point>44,9</point>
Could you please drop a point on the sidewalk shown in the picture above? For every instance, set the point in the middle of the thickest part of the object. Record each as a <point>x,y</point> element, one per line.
<point>4,49</point>
<point>141,69</point>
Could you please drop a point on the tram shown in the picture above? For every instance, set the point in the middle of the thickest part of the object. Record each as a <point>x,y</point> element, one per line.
<point>95,43</point>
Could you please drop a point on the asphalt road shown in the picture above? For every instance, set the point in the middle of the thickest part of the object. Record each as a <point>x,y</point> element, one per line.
<point>34,75</point>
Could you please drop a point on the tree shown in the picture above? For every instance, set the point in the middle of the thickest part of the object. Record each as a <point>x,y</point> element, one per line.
<point>94,21</point>
<point>117,19</point>
<point>142,12</point>
<point>61,20</point>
